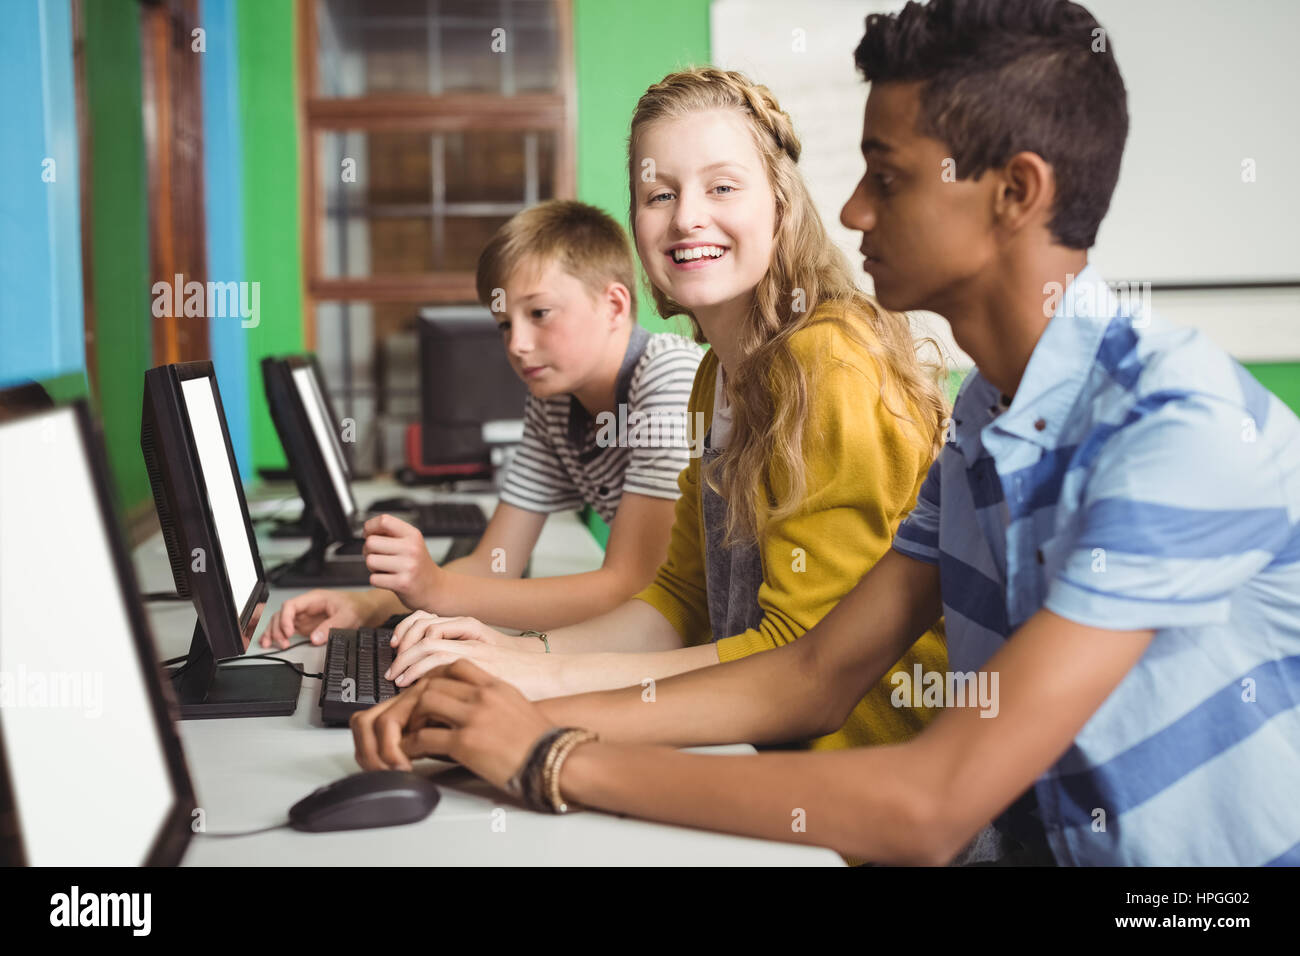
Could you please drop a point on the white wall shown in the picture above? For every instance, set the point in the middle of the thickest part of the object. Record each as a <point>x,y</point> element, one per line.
<point>804,53</point>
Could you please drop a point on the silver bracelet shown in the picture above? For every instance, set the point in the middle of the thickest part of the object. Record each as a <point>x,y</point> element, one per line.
<point>538,634</point>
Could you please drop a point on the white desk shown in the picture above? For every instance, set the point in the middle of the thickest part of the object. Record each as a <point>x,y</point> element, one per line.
<point>247,772</point>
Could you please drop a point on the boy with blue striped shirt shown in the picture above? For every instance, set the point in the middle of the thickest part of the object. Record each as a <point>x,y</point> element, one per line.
<point>1112,529</point>
<point>1140,481</point>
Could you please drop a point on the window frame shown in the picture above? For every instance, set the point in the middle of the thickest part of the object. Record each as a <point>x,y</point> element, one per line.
<point>414,112</point>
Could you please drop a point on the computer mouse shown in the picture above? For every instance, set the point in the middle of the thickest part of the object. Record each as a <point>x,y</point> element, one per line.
<point>377,798</point>
<point>394,504</point>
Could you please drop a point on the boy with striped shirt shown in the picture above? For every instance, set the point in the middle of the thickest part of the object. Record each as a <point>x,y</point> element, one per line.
<point>604,425</point>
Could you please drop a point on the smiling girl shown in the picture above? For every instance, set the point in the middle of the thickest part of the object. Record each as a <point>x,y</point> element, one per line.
<point>821,420</point>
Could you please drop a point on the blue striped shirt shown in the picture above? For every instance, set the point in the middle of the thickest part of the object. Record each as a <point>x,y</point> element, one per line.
<point>1141,479</point>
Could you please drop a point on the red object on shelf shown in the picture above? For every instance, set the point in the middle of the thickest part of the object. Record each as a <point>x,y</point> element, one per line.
<point>416,471</point>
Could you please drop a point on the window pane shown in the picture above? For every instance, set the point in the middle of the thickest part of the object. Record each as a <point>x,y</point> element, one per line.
<point>498,166</point>
<point>369,354</point>
<point>435,46</point>
<point>536,57</point>
<point>403,203</point>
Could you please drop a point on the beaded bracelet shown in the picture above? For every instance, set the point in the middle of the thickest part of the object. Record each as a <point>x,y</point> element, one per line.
<point>537,781</point>
<point>526,783</point>
<point>560,750</point>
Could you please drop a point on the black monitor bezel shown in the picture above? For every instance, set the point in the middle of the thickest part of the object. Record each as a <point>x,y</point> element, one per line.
<point>173,377</point>
<point>174,831</point>
<point>301,449</point>
<point>314,361</point>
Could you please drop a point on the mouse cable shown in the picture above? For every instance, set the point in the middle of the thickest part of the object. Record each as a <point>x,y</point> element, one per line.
<point>271,656</point>
<point>276,660</point>
<point>240,833</point>
<point>235,661</point>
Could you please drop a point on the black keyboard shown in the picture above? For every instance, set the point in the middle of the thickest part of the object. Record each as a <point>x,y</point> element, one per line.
<point>355,662</point>
<point>450,519</point>
<point>445,519</point>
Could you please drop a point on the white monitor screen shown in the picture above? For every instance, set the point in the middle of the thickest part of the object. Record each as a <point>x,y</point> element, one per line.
<point>86,761</point>
<point>221,475</point>
<point>323,429</point>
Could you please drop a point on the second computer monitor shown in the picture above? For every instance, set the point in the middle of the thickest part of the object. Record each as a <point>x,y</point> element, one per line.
<point>209,537</point>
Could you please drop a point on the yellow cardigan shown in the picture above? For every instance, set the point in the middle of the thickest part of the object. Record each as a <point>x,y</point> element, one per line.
<point>865,468</point>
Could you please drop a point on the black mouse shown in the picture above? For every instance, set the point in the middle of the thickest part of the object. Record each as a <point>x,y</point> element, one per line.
<point>394,504</point>
<point>378,798</point>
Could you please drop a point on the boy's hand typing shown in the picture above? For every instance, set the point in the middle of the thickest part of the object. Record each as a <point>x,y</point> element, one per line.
<point>398,560</point>
<point>314,613</point>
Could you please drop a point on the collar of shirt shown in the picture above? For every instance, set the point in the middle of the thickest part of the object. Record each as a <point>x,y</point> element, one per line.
<point>1058,368</point>
<point>579,419</point>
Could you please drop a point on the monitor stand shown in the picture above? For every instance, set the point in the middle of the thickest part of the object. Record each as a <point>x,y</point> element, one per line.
<point>204,690</point>
<point>312,569</point>
<point>299,527</point>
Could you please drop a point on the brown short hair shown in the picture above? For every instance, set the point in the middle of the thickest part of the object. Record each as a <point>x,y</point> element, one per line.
<point>584,241</point>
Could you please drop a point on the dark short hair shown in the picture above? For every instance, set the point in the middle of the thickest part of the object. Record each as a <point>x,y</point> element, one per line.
<point>1002,76</point>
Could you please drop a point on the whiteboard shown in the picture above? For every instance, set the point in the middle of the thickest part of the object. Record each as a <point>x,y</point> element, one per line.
<point>1211,84</point>
<point>803,53</point>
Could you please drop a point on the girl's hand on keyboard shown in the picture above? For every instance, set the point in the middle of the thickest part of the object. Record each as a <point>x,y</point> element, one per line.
<point>422,623</point>
<point>425,641</point>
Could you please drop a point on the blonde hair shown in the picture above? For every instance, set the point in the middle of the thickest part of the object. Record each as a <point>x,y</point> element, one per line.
<point>584,241</point>
<point>761,472</point>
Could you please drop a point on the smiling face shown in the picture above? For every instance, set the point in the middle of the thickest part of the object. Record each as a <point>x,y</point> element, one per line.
<point>926,236</point>
<point>705,222</point>
<point>556,333</point>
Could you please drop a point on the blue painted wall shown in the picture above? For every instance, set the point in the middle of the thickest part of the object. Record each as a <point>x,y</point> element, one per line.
<point>41,324</point>
<point>223,209</point>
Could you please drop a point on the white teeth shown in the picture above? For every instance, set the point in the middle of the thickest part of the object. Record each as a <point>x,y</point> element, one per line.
<point>698,252</point>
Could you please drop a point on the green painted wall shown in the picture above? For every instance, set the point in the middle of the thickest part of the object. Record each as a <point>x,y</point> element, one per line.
<point>613,70</point>
<point>269,119</point>
<point>66,387</point>
<point>119,241</point>
<point>1280,378</point>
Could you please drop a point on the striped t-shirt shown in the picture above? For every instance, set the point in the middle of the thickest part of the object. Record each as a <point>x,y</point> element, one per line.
<point>1140,479</point>
<point>567,459</point>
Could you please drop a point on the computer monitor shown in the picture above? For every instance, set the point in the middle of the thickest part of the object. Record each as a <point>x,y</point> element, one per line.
<point>210,544</point>
<point>308,431</point>
<point>301,526</point>
<point>465,381</point>
<point>91,771</point>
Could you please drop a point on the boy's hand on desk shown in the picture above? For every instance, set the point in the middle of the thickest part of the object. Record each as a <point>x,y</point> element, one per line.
<point>424,641</point>
<point>313,614</point>
<point>458,710</point>
<point>398,560</point>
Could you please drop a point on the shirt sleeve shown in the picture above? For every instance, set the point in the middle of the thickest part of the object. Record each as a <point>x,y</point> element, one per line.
<point>918,535</point>
<point>660,428</point>
<point>536,479</point>
<point>1183,506</point>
